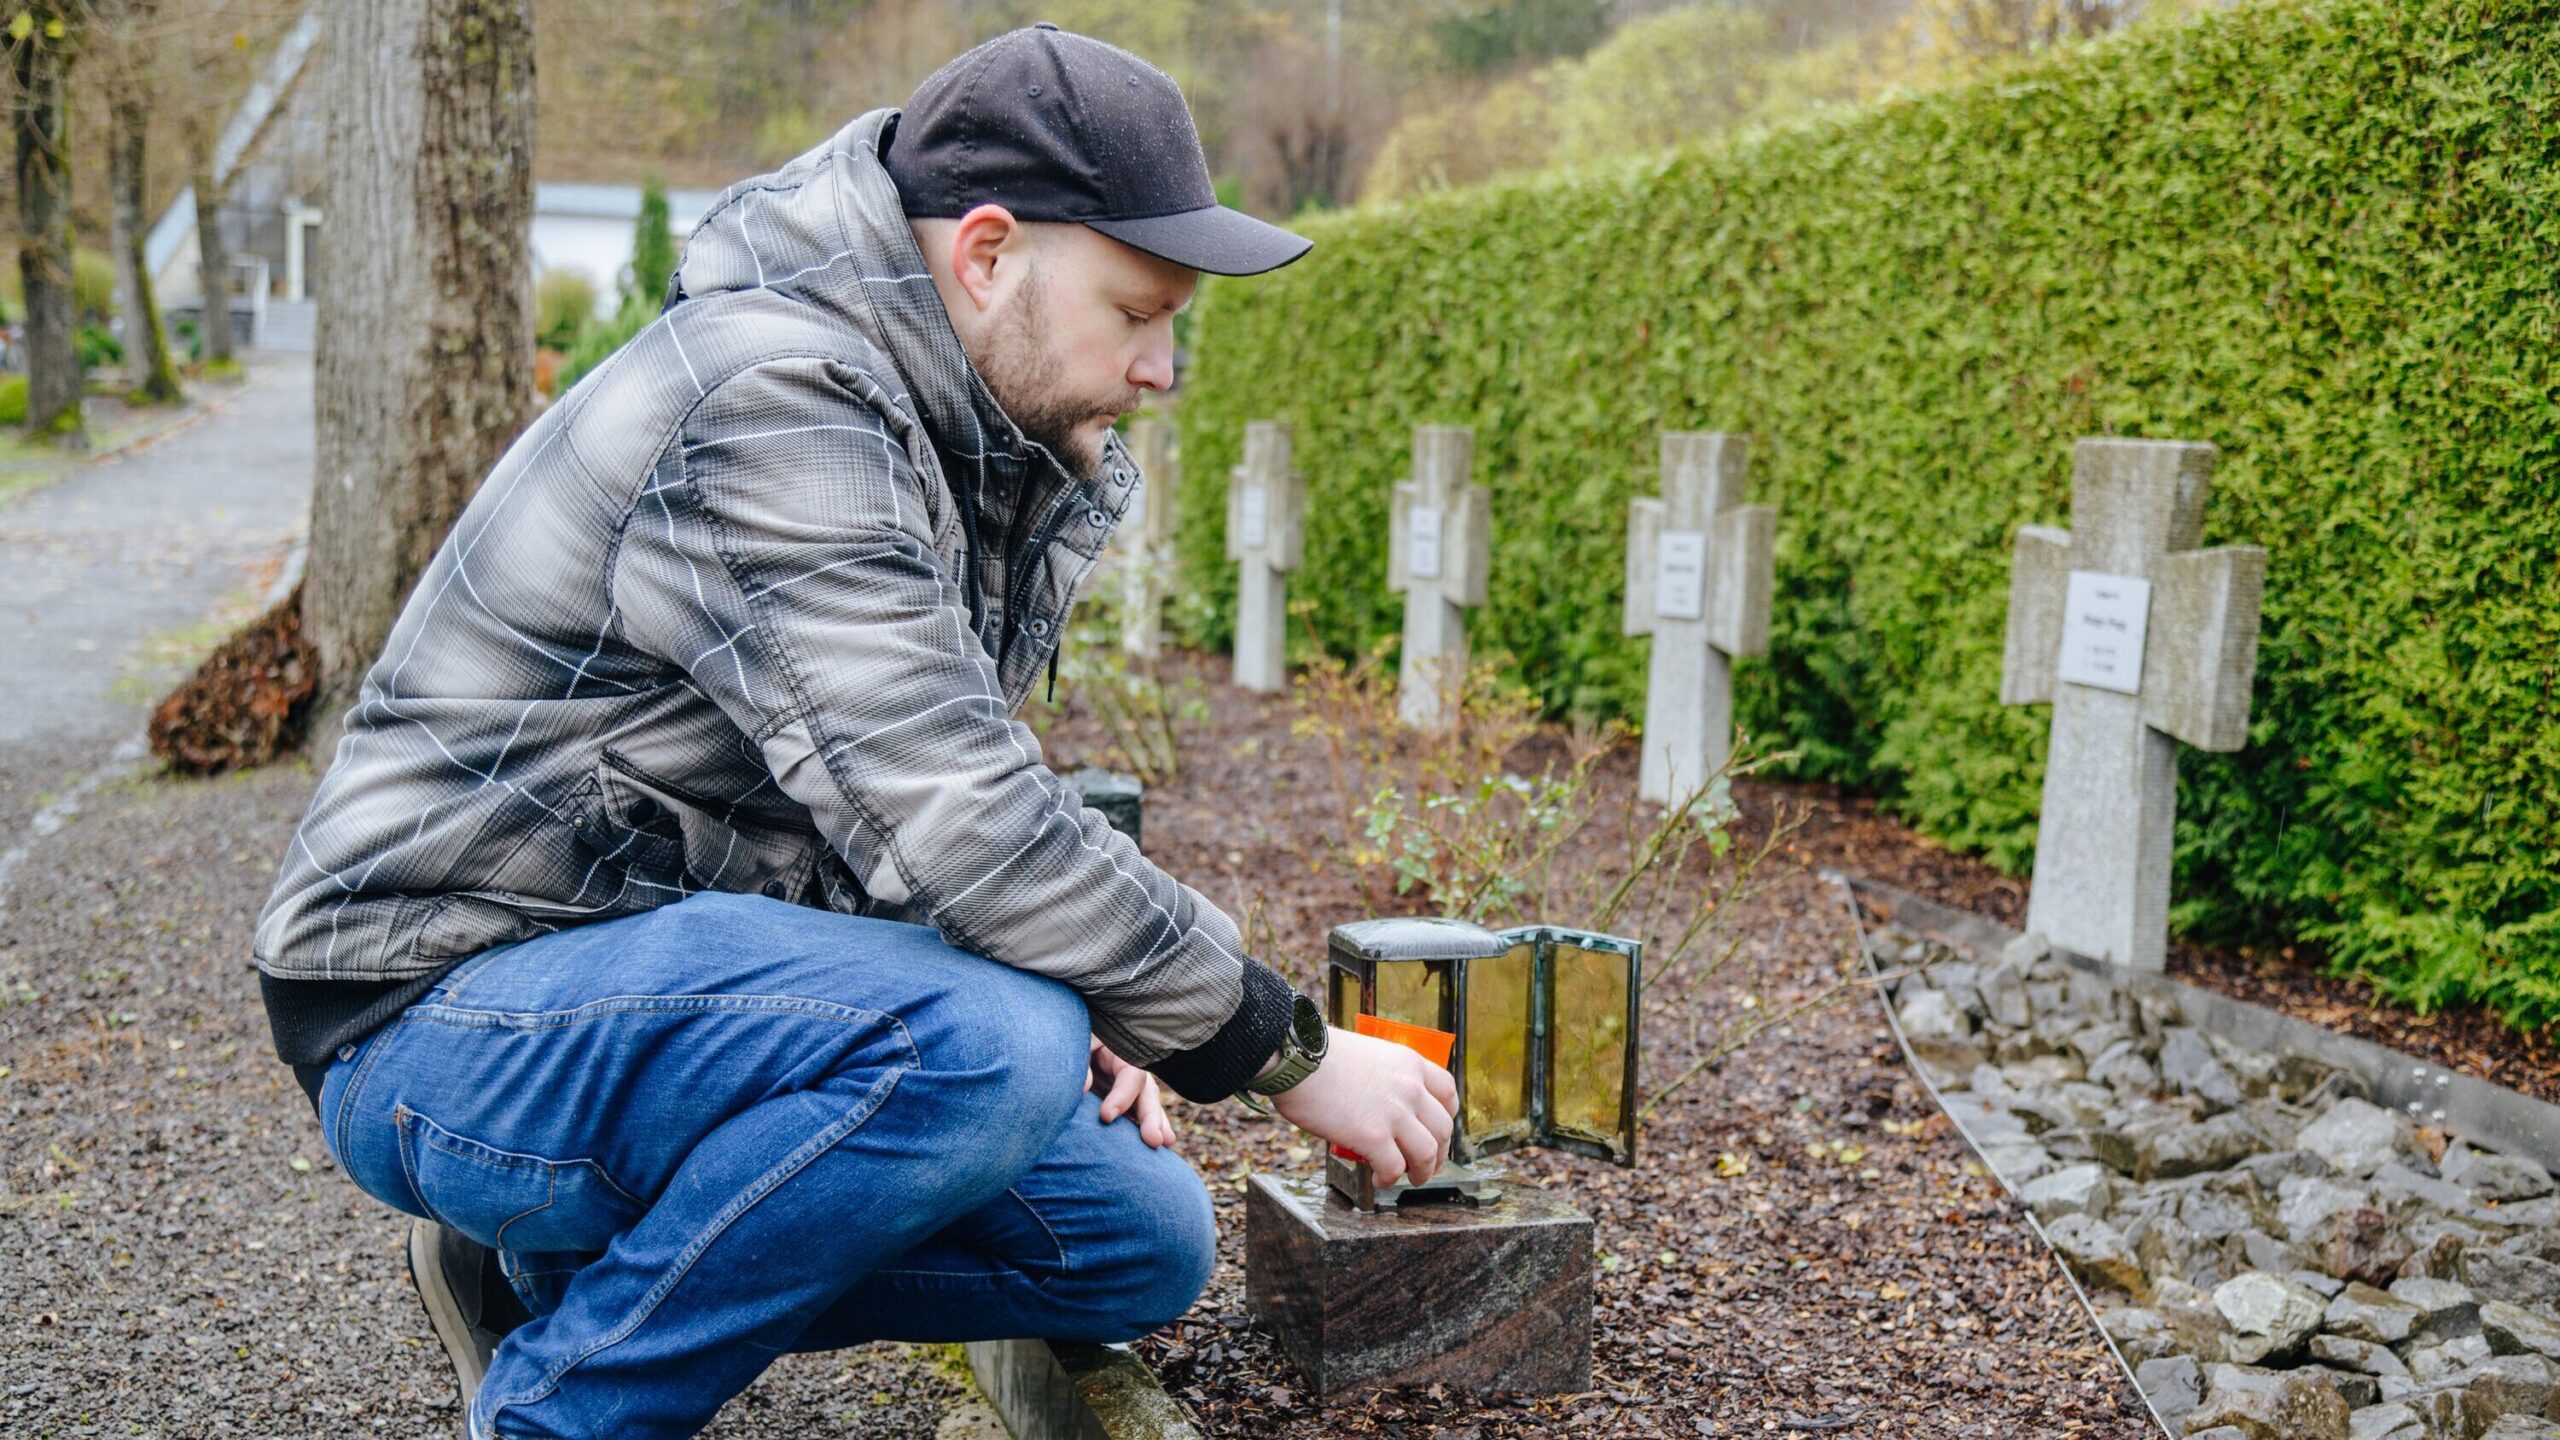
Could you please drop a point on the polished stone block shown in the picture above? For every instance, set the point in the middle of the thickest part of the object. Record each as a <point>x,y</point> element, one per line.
<point>1480,1299</point>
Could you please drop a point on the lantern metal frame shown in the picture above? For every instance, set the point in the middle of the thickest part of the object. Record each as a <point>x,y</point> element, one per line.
<point>1357,953</point>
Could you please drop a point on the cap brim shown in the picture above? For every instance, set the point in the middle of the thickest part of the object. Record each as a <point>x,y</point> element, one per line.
<point>1217,240</point>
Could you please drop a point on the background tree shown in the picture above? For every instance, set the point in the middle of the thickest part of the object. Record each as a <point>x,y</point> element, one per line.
<point>125,41</point>
<point>42,40</point>
<point>201,59</point>
<point>213,257</point>
<point>653,250</point>
<point>425,343</point>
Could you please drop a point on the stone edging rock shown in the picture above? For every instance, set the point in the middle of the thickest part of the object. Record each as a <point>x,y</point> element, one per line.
<point>2272,1255</point>
<point>1067,1390</point>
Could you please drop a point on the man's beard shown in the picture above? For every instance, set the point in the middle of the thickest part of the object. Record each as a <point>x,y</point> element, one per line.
<point>1014,359</point>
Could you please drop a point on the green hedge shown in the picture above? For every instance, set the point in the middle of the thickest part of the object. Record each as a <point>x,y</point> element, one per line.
<point>2325,237</point>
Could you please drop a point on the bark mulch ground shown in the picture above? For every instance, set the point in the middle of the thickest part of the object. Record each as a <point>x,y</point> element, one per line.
<point>1802,1246</point>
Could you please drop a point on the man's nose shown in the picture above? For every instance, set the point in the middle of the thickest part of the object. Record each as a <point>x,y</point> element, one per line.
<point>1153,369</point>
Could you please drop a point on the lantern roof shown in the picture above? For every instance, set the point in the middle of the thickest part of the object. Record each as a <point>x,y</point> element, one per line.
<point>1419,938</point>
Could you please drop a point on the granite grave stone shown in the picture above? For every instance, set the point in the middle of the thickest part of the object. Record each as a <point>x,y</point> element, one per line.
<point>1439,543</point>
<point>1698,582</point>
<point>2139,640</point>
<point>1266,513</point>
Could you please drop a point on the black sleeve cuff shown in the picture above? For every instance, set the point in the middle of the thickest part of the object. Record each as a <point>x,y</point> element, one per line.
<point>1219,1066</point>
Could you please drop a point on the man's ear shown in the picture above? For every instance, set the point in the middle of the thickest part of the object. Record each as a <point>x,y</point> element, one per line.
<point>985,238</point>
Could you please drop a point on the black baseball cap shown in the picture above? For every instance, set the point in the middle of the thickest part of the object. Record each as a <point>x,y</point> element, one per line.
<point>1053,125</point>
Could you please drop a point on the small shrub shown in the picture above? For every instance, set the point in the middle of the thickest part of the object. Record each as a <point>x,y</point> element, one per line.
<point>654,252</point>
<point>600,343</point>
<point>13,400</point>
<point>93,286</point>
<point>564,305</point>
<point>97,346</point>
<point>1143,719</point>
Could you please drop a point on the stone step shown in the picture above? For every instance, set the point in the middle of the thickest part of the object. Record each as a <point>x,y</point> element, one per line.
<point>290,325</point>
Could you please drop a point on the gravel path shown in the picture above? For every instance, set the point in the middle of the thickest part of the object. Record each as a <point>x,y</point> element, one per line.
<point>95,568</point>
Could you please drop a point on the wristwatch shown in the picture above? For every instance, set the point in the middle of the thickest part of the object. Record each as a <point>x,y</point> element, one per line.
<point>1301,1050</point>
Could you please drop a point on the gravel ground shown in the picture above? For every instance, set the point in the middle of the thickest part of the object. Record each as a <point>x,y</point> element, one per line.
<point>181,1258</point>
<point>165,1204</point>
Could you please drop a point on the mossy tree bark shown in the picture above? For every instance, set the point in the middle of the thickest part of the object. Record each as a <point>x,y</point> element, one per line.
<point>40,64</point>
<point>425,340</point>
<point>213,258</point>
<point>146,335</point>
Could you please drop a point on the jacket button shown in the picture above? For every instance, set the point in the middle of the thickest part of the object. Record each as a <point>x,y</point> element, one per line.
<point>1095,518</point>
<point>773,890</point>
<point>1040,627</point>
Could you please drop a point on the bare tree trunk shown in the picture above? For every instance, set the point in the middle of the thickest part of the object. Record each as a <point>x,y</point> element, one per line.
<point>146,335</point>
<point>213,261</point>
<point>425,363</point>
<point>40,62</point>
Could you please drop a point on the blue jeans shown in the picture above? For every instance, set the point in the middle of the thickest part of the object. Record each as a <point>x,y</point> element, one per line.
<point>730,1128</point>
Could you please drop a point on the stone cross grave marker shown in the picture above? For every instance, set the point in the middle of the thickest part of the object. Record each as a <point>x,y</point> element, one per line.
<point>1266,512</point>
<point>2139,640</point>
<point>1145,539</point>
<point>1439,545</point>
<point>1698,581</point>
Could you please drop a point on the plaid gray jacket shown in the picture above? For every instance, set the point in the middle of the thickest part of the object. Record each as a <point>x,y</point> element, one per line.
<point>750,609</point>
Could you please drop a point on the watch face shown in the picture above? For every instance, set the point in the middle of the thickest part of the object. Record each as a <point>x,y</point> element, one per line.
<point>1306,1023</point>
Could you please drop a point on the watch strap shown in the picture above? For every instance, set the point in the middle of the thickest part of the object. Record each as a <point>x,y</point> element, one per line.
<point>1301,1050</point>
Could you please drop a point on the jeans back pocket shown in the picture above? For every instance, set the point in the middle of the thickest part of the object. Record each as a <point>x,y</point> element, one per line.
<point>508,1199</point>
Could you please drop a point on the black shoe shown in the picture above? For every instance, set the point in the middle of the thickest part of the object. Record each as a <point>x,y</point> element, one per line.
<point>468,1300</point>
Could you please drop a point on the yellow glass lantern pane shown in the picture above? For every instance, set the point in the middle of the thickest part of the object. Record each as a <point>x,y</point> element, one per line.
<point>1588,1049</point>
<point>1497,1040</point>
<point>1413,991</point>
<point>1342,1001</point>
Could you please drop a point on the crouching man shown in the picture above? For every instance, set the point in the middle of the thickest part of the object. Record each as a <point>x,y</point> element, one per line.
<point>685,932</point>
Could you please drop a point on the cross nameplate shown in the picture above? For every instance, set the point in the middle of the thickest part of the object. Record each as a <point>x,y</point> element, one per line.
<point>2139,640</point>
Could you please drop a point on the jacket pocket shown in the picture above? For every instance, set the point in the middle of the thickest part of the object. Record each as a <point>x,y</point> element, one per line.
<point>508,1199</point>
<point>624,827</point>
<point>677,836</point>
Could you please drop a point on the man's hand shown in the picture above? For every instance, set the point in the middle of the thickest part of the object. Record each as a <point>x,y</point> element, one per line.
<point>1378,1098</point>
<point>1133,1091</point>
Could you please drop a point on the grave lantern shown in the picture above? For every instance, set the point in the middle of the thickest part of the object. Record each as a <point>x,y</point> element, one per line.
<point>1544,1048</point>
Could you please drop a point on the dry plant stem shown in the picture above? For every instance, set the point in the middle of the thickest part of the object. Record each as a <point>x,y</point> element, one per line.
<point>1663,976</point>
<point>1746,883</point>
<point>1131,708</point>
<point>1455,817</point>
